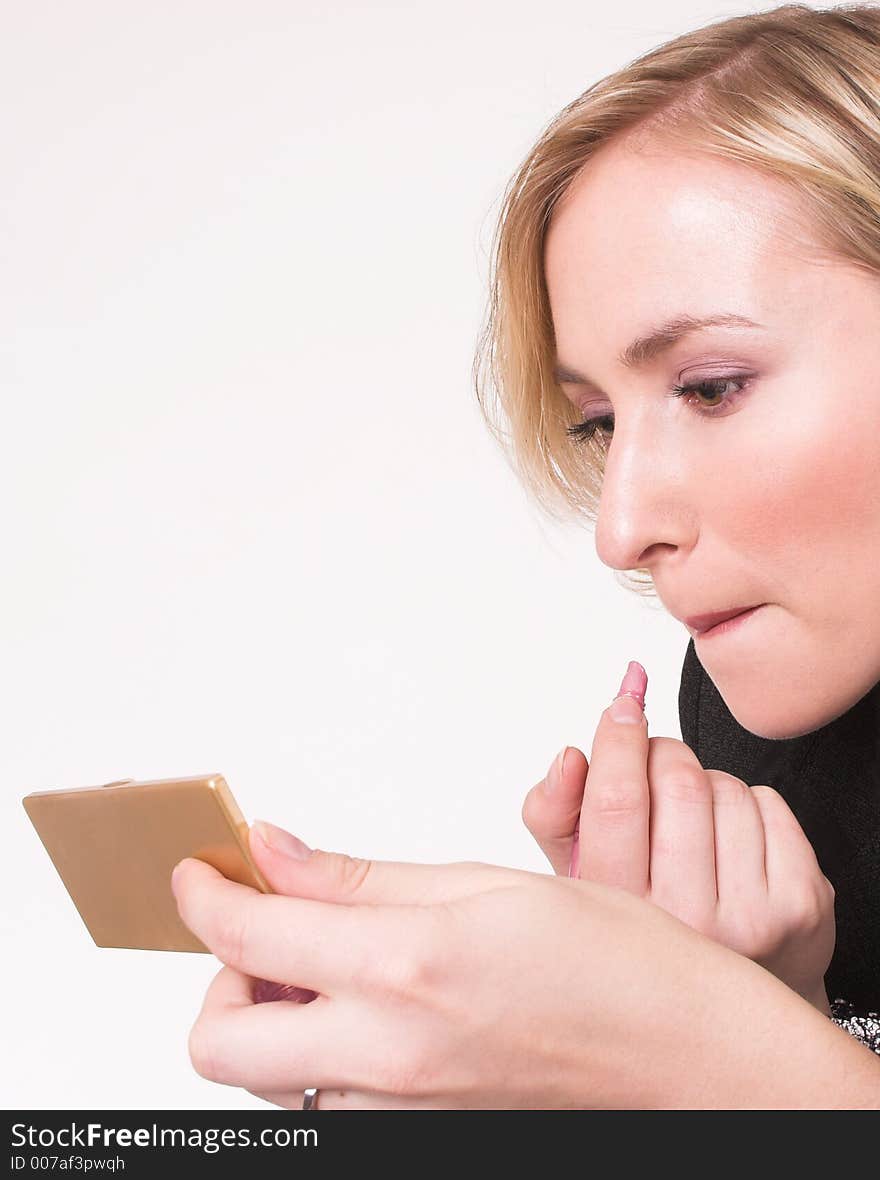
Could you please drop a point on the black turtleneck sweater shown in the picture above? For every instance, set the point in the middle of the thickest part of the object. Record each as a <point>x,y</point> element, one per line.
<point>830,778</point>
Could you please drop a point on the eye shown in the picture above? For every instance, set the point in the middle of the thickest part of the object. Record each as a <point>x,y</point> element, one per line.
<point>584,431</point>
<point>713,387</point>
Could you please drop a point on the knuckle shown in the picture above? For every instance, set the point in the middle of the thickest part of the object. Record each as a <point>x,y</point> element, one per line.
<point>748,926</point>
<point>669,750</point>
<point>616,798</point>
<point>347,873</point>
<point>765,793</point>
<point>685,782</point>
<point>532,810</point>
<point>413,971</point>
<point>751,933</point>
<point>409,973</point>
<point>668,757</point>
<point>231,936</point>
<point>726,788</point>
<point>694,912</point>
<point>809,910</point>
<point>410,1072</point>
<point>203,1053</point>
<point>762,944</point>
<point>663,744</point>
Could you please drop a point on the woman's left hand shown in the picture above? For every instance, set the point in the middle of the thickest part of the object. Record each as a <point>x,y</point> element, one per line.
<point>453,986</point>
<point>728,859</point>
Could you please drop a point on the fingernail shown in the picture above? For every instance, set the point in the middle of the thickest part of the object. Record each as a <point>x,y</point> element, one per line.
<point>281,841</point>
<point>554,778</point>
<point>175,876</point>
<point>629,704</point>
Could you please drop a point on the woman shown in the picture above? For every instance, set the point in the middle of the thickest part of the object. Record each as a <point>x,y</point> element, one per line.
<point>685,311</point>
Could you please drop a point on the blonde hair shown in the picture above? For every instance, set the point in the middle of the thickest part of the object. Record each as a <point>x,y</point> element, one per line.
<point>794,92</point>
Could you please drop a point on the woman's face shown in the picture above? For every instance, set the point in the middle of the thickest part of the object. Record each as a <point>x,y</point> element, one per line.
<point>763,487</point>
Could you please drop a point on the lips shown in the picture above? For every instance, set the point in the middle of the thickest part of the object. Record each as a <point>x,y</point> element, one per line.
<point>697,624</point>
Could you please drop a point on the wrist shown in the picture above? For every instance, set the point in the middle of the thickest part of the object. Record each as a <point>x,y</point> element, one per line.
<point>819,999</point>
<point>747,1041</point>
<point>774,1049</point>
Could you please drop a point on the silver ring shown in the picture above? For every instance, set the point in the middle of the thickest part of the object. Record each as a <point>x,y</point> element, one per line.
<point>310,1099</point>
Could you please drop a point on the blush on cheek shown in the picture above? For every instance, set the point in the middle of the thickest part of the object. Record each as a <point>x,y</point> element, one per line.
<point>805,501</point>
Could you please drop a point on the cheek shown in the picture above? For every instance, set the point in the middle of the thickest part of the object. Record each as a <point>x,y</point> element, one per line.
<point>841,539</point>
<point>803,516</point>
<point>808,510</point>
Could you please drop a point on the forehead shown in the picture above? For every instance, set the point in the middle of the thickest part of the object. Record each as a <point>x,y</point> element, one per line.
<point>642,232</point>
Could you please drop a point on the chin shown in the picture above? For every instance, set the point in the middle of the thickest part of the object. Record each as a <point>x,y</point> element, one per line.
<point>766,725</point>
<point>790,679</point>
<point>781,715</point>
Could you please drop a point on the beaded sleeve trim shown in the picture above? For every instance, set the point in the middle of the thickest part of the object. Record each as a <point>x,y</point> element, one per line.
<point>864,1026</point>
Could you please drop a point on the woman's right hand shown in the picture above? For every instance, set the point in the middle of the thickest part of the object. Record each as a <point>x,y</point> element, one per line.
<point>728,859</point>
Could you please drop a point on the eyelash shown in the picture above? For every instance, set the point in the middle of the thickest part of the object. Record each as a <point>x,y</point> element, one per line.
<point>584,431</point>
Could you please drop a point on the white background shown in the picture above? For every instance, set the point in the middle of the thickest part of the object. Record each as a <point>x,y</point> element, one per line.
<point>252,519</point>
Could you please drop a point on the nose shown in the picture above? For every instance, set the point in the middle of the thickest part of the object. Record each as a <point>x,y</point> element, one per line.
<point>645,514</point>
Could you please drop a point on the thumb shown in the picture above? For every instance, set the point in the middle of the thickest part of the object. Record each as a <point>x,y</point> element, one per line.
<point>292,868</point>
<point>552,807</point>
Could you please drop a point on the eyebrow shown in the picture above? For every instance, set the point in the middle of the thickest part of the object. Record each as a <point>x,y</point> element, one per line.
<point>658,340</point>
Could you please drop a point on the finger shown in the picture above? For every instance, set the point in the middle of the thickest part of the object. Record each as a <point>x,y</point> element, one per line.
<point>228,990</point>
<point>788,854</point>
<point>279,1047</point>
<point>552,808</point>
<point>319,945</point>
<point>682,872</point>
<point>267,1050</point>
<point>797,889</point>
<point>739,842</point>
<point>293,869</point>
<point>614,832</point>
<point>236,989</point>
